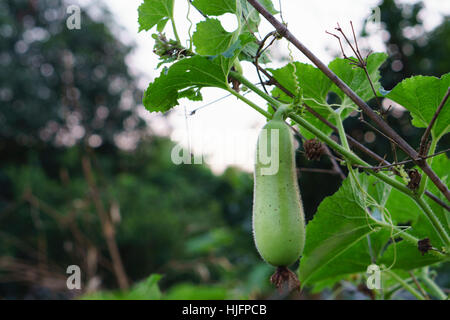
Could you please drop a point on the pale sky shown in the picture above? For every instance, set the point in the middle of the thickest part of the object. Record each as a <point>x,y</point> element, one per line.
<point>227,129</point>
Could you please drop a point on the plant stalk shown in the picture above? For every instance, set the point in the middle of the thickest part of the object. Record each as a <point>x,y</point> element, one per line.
<point>405,285</point>
<point>432,286</point>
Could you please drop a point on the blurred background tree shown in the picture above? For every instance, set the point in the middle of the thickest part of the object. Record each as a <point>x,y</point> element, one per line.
<point>83,181</point>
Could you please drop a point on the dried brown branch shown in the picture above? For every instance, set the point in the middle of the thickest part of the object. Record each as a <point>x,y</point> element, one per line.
<point>437,200</point>
<point>388,166</point>
<point>318,170</point>
<point>260,51</point>
<point>413,277</point>
<point>107,225</point>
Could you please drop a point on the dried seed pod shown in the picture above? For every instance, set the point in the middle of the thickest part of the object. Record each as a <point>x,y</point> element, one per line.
<point>414,179</point>
<point>314,149</point>
<point>424,245</point>
<point>285,280</point>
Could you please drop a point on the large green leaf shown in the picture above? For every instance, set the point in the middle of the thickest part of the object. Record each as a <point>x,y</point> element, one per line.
<point>356,78</point>
<point>441,166</point>
<point>216,7</point>
<point>315,86</point>
<point>314,83</point>
<point>403,210</point>
<point>422,95</point>
<point>210,38</point>
<point>250,16</point>
<point>155,12</point>
<point>337,239</point>
<point>404,255</point>
<point>355,259</point>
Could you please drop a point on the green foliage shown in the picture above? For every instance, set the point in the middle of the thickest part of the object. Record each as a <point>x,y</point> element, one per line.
<point>421,96</point>
<point>219,47</point>
<point>55,90</point>
<point>186,291</point>
<point>340,224</point>
<point>343,239</point>
<point>155,12</point>
<point>315,87</point>
<point>211,39</point>
<point>145,290</point>
<point>191,73</point>
<point>215,8</point>
<point>356,78</point>
<point>361,223</point>
<point>66,87</point>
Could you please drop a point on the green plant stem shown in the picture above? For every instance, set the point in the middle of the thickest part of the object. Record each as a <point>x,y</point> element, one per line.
<point>409,238</point>
<point>281,113</point>
<point>343,138</point>
<point>341,132</point>
<point>254,88</point>
<point>432,286</point>
<point>405,285</point>
<point>424,181</point>
<point>175,30</point>
<point>250,103</point>
<point>434,220</point>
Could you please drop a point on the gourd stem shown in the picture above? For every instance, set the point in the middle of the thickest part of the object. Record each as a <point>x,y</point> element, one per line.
<point>281,112</point>
<point>250,103</point>
<point>434,220</point>
<point>424,181</point>
<point>175,31</point>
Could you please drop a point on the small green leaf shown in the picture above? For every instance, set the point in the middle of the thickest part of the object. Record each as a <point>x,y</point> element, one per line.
<point>210,38</point>
<point>155,12</point>
<point>422,95</point>
<point>356,78</point>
